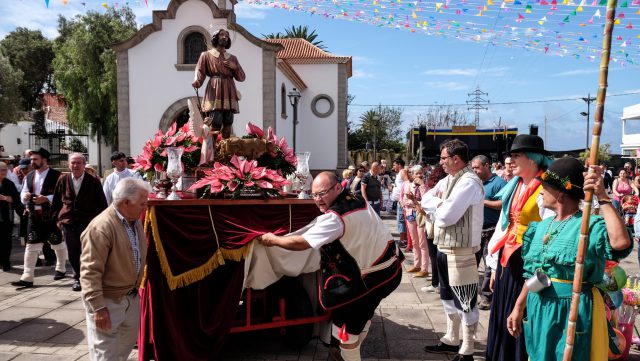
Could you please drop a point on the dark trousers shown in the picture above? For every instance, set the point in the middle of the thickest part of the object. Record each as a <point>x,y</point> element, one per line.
<point>6,235</point>
<point>446,293</point>
<point>356,314</point>
<point>433,251</point>
<point>40,231</point>
<point>71,235</point>
<point>485,291</point>
<point>24,220</point>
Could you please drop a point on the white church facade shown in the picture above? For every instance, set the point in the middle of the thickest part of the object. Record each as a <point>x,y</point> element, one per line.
<point>156,67</point>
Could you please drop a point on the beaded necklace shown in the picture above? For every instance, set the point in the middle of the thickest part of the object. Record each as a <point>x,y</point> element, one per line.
<point>548,236</point>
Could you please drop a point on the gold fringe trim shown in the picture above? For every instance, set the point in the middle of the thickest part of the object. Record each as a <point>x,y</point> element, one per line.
<point>200,272</point>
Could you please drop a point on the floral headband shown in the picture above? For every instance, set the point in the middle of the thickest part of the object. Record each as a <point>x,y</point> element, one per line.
<point>555,180</point>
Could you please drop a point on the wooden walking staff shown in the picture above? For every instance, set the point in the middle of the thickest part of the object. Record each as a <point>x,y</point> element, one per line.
<point>593,160</point>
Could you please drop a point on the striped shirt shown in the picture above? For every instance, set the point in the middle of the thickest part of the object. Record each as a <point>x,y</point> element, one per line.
<point>133,238</point>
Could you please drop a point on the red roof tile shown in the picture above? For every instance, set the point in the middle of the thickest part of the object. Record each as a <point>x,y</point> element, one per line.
<point>307,53</point>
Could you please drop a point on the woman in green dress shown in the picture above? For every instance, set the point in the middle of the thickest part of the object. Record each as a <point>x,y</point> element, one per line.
<point>550,246</point>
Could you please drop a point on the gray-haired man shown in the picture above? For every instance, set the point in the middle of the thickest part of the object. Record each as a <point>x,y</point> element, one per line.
<point>113,256</point>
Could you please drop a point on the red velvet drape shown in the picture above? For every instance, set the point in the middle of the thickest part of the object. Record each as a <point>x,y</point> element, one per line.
<point>192,322</point>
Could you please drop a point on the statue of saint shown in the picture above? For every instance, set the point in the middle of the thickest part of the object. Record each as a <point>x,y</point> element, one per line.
<point>220,97</point>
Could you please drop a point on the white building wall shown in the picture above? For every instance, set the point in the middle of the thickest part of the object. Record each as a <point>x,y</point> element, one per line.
<point>155,84</point>
<point>15,138</point>
<point>317,135</point>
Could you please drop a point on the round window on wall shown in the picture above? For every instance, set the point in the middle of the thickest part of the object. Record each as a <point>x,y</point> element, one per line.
<point>322,106</point>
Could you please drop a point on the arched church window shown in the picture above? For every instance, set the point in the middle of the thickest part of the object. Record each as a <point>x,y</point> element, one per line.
<point>194,44</point>
<point>283,101</point>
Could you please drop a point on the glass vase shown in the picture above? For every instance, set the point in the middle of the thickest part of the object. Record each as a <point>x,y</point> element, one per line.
<point>174,169</point>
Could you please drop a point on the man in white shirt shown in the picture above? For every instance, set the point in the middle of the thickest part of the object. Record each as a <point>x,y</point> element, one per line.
<point>119,161</point>
<point>456,205</point>
<point>353,241</point>
<point>37,196</point>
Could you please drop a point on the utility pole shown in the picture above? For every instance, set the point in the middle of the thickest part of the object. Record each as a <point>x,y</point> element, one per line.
<point>587,100</point>
<point>477,103</point>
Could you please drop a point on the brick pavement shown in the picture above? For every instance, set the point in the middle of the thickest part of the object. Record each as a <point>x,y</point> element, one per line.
<point>47,323</point>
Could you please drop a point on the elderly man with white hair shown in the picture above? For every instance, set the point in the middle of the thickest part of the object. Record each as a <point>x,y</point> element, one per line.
<point>78,199</point>
<point>111,263</point>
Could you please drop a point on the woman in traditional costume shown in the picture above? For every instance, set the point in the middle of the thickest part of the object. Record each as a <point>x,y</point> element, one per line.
<point>521,204</point>
<point>550,247</point>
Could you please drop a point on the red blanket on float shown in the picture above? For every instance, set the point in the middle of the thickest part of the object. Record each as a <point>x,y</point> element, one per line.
<point>195,270</point>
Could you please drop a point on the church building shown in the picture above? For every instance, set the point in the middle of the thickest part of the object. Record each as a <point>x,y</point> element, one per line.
<point>156,68</point>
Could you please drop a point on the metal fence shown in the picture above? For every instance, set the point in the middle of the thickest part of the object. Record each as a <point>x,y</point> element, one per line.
<point>60,144</point>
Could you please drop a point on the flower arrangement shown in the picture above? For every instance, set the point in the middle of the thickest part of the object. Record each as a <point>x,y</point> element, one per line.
<point>279,156</point>
<point>554,179</point>
<point>154,155</point>
<point>240,176</point>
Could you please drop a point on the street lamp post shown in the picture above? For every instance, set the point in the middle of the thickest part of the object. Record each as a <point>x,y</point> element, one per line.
<point>588,100</point>
<point>376,119</point>
<point>294,98</point>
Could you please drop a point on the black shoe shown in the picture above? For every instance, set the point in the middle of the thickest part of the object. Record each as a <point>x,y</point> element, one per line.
<point>459,357</point>
<point>58,276</point>
<point>39,263</point>
<point>22,284</point>
<point>6,267</point>
<point>76,286</point>
<point>442,348</point>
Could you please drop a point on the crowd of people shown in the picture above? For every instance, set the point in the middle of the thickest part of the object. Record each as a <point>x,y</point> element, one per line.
<point>522,221</point>
<point>94,225</point>
<point>519,220</point>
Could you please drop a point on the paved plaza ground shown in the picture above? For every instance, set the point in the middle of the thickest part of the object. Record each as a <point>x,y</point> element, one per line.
<point>48,323</point>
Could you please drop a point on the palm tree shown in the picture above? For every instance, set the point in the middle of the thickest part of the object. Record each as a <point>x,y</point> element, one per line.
<point>301,31</point>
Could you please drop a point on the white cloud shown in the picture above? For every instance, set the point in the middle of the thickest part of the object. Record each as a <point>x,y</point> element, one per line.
<point>496,71</point>
<point>360,74</point>
<point>246,11</point>
<point>36,16</point>
<point>578,72</point>
<point>363,60</point>
<point>448,85</point>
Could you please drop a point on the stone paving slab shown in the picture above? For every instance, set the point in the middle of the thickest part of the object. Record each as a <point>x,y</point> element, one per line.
<point>48,323</point>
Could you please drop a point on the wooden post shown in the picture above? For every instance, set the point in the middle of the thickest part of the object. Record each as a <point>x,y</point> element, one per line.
<point>593,160</point>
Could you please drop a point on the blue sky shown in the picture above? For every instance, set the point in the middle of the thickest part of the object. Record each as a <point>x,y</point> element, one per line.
<point>396,67</point>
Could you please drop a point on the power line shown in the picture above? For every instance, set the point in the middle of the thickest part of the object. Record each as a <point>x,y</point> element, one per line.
<point>493,103</point>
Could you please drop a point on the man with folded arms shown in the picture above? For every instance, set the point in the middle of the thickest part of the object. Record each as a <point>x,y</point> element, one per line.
<point>111,264</point>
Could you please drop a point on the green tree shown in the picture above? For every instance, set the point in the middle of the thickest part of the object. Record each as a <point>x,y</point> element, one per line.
<point>382,123</point>
<point>85,68</point>
<point>10,80</point>
<point>301,32</point>
<point>31,53</point>
<point>604,154</point>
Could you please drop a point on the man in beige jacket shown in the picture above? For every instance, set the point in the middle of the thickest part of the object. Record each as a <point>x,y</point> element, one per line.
<point>111,265</point>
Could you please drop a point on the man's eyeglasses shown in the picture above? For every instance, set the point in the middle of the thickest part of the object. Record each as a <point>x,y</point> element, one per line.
<point>446,156</point>
<point>323,193</point>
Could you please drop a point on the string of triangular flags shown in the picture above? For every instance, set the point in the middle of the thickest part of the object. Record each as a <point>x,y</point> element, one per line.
<point>563,28</point>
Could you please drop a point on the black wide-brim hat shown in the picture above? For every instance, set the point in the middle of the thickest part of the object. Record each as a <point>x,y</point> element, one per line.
<point>565,175</point>
<point>528,143</point>
<point>42,152</point>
